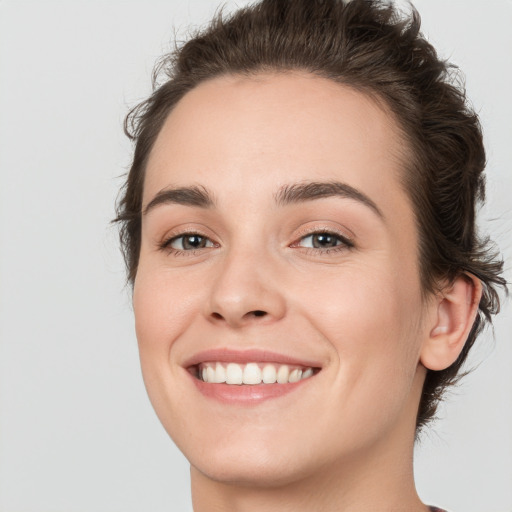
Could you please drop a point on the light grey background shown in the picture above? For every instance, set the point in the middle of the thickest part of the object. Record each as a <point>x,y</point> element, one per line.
<point>77,432</point>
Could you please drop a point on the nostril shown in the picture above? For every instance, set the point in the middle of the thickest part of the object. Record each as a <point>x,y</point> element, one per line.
<point>215,316</point>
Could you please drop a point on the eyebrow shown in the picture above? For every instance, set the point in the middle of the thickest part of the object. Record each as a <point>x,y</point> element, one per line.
<point>299,192</point>
<point>188,196</point>
<point>199,196</point>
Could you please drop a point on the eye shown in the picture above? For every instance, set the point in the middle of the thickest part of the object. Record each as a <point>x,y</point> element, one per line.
<point>189,242</point>
<point>324,240</point>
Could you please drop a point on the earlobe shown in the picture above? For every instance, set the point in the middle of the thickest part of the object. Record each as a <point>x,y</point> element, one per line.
<point>453,318</point>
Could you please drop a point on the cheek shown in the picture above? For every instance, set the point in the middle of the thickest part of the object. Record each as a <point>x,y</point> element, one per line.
<point>163,304</point>
<point>161,316</point>
<point>162,313</point>
<point>372,321</point>
<point>363,302</point>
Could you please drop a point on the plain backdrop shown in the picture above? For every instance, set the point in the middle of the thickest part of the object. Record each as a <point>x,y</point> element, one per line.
<point>77,433</point>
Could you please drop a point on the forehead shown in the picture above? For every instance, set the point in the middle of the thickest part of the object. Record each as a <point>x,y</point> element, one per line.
<point>263,131</point>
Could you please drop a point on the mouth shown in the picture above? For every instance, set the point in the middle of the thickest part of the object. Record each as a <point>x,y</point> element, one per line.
<point>250,374</point>
<point>248,377</point>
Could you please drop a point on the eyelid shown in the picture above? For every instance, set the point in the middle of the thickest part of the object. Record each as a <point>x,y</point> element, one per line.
<point>165,243</point>
<point>347,239</point>
<point>170,242</point>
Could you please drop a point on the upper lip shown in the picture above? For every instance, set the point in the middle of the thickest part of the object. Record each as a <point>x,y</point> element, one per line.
<point>226,355</point>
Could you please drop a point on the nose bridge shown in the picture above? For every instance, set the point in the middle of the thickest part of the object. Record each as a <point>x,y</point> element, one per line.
<point>245,288</point>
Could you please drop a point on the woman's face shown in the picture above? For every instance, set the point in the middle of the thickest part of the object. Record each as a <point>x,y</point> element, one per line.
<point>277,243</point>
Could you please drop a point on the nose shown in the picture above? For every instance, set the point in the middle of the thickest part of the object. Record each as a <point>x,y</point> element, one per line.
<point>245,290</point>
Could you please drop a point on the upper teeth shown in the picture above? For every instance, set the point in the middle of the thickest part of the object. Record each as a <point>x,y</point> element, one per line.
<point>252,373</point>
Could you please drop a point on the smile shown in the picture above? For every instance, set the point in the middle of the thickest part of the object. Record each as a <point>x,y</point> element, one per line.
<point>248,377</point>
<point>251,373</point>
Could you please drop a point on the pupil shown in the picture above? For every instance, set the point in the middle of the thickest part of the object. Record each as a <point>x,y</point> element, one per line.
<point>324,240</point>
<point>193,242</point>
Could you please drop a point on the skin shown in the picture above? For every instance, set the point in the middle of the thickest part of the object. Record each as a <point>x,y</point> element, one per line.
<point>344,440</point>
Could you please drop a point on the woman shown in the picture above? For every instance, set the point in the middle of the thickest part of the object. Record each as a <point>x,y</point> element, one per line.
<point>299,228</point>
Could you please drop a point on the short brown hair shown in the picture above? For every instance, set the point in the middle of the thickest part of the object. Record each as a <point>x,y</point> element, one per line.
<point>371,46</point>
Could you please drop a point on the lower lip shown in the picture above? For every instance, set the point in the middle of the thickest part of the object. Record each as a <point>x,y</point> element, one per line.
<point>245,394</point>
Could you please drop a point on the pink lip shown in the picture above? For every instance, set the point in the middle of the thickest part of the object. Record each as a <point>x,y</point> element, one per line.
<point>226,355</point>
<point>245,394</point>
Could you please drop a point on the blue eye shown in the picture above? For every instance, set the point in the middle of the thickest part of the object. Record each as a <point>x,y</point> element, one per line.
<point>324,240</point>
<point>189,242</point>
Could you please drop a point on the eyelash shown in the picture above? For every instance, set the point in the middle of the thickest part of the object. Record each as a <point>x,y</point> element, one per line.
<point>345,243</point>
<point>166,244</point>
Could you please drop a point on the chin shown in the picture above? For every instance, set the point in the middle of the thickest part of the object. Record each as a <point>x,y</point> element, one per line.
<point>250,471</point>
<point>251,459</point>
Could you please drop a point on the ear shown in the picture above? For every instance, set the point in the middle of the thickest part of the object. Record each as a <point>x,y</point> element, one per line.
<point>456,308</point>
